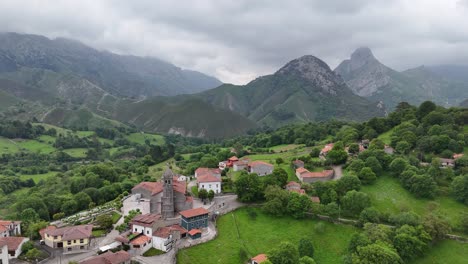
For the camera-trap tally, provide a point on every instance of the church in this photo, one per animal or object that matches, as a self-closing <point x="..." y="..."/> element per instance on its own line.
<point x="165" y="197"/>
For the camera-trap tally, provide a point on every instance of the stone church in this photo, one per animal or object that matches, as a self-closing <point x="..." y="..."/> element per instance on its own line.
<point x="165" y="197"/>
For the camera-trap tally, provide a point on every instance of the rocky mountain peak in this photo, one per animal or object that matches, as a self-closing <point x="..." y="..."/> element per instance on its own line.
<point x="314" y="70"/>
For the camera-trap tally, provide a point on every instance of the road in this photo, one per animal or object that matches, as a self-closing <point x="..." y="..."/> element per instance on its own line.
<point x="338" y="172"/>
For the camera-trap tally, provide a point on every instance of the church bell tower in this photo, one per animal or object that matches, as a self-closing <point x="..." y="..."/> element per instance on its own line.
<point x="168" y="195"/>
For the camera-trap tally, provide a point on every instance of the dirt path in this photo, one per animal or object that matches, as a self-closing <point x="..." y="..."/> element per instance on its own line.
<point x="338" y="172"/>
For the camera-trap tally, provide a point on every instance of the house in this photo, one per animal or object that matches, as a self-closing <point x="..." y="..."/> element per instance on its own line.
<point x="140" y="243"/>
<point x="326" y="149"/>
<point x="165" y="237"/>
<point x="194" y="218"/>
<point x="261" y="168"/>
<point x="222" y="165"/>
<point x="10" y="247"/>
<point x="182" y="178"/>
<point x="209" y="182"/>
<point x="145" y="224"/>
<point x="309" y="177"/>
<point x="231" y="160"/>
<point x="365" y="143"/>
<point x="10" y="228"/>
<point x="444" y="163"/>
<point x="195" y="233"/>
<point x="148" y="196"/>
<point x="457" y="156"/>
<point x="315" y="199"/>
<point x="294" y="187"/>
<point x="70" y="238"/>
<point x="119" y="257"/>
<point x="260" y="258"/>
<point x="240" y="165"/>
<point x="203" y="171"/>
<point x="298" y="164"/>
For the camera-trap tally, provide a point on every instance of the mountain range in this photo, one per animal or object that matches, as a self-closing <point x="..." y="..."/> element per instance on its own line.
<point x="369" y="78"/>
<point x="67" y="83"/>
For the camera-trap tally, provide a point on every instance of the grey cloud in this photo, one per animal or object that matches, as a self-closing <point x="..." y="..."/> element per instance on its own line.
<point x="239" y="40"/>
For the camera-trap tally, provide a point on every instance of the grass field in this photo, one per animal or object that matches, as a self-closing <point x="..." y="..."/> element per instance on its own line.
<point x="140" y="138"/>
<point x="76" y="152"/>
<point x="263" y="233"/>
<point x="37" y="177"/>
<point x="447" y="251"/>
<point x="36" y="146"/>
<point x="8" y="146"/>
<point x="386" y="137"/>
<point x="286" y="147"/>
<point x="389" y="196"/>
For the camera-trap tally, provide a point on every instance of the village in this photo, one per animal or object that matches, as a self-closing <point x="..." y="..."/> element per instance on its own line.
<point x="166" y="215"/>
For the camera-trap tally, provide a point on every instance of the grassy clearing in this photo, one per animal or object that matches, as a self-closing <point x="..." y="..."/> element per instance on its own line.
<point x="140" y="138"/>
<point x="8" y="146"/>
<point x="263" y="233"/>
<point x="36" y="146"/>
<point x="286" y="147"/>
<point x="447" y="251"/>
<point x="115" y="217"/>
<point x="386" y="137"/>
<point x="389" y="196"/>
<point x="99" y="232"/>
<point x="37" y="177"/>
<point x="76" y="152"/>
<point x="153" y="252"/>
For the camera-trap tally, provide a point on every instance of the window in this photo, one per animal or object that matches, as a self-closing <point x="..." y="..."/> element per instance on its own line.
<point x="69" y="249"/>
<point x="74" y="241"/>
<point x="135" y="229"/>
<point x="55" y="237"/>
<point x="81" y="247"/>
<point x="147" y="232"/>
<point x="210" y="186"/>
<point x="203" y="186"/>
<point x="81" y="241"/>
<point x="69" y="242"/>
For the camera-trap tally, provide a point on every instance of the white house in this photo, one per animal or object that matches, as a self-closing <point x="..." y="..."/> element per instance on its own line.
<point x="165" y="237"/>
<point x="3" y="253"/>
<point x="144" y="223"/>
<point x="182" y="178"/>
<point x="10" y="228"/>
<point x="10" y="247"/>
<point x="209" y="182"/>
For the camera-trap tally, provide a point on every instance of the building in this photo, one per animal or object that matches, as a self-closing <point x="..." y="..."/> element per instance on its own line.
<point x="10" y="228"/>
<point x="260" y="258"/>
<point x="293" y="186"/>
<point x="389" y="150"/>
<point x="70" y="238"/>
<point x="203" y="171"/>
<point x="457" y="156"/>
<point x="222" y="165"/>
<point x="152" y="197"/>
<point x="145" y="224"/>
<point x="182" y="178"/>
<point x="119" y="257"/>
<point x="231" y="160"/>
<point x="165" y="237"/>
<point x="194" y="218"/>
<point x="326" y="149"/>
<point x="140" y="243"/>
<point x="309" y="177"/>
<point x="10" y="247"/>
<point x="444" y="163"/>
<point x="195" y="233"/>
<point x="209" y="182"/>
<point x="315" y="199"/>
<point x="261" y="168"/>
<point x="298" y="164"/>
<point x="240" y="165"/>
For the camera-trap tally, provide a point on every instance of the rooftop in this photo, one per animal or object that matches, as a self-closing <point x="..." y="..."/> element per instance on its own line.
<point x="321" y="174"/>
<point x="260" y="258"/>
<point x="301" y="170"/>
<point x="207" y="178"/>
<point x="194" y="232"/>
<point x="140" y="240"/>
<point x="109" y="258"/>
<point x="70" y="232"/>
<point x="194" y="212"/>
<point x="157" y="187"/>
<point x="258" y="163"/>
<point x="12" y="243"/>
<point x="164" y="232"/>
<point x="145" y="220"/>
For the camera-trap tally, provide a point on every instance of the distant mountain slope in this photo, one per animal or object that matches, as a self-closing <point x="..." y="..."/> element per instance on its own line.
<point x="453" y="72"/>
<point x="119" y="75"/>
<point x="464" y="103"/>
<point x="367" y="77"/>
<point x="303" y="90"/>
<point x="185" y="115"/>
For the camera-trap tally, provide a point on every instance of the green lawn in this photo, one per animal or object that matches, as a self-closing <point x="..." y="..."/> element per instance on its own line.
<point x="141" y="137"/>
<point x="76" y="152"/>
<point x="36" y="146"/>
<point x="389" y="196"/>
<point x="37" y="177"/>
<point x="262" y="234"/>
<point x="285" y="147"/>
<point x="115" y="217"/>
<point x="99" y="232"/>
<point x="386" y="137"/>
<point x="8" y="146"/>
<point x="153" y="252"/>
<point x="447" y="251"/>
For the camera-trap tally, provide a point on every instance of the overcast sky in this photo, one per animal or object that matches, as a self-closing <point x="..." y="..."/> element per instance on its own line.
<point x="239" y="40"/>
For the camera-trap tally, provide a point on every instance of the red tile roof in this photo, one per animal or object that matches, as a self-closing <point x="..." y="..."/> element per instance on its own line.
<point x="321" y="174"/>
<point x="327" y="148"/>
<point x="293" y="184"/>
<point x="71" y="232"/>
<point x="12" y="243"/>
<point x="260" y="258"/>
<point x="301" y="170"/>
<point x="315" y="199"/>
<point x="43" y="230"/>
<point x="145" y="220"/>
<point x="194" y="232"/>
<point x="233" y="158"/>
<point x="207" y="170"/>
<point x="140" y="240"/>
<point x="258" y="163"/>
<point x="456" y="156"/>
<point x="157" y="187"/>
<point x="300" y="162"/>
<point x="194" y="212"/>
<point x="109" y="258"/>
<point x="207" y="178"/>
<point x="164" y="232"/>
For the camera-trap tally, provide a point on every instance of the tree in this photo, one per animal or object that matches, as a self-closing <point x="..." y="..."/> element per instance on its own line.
<point x="306" y="260"/>
<point x="33" y="254"/>
<point x="398" y="165"/>
<point x="423" y="186"/>
<point x="459" y="188"/>
<point x="348" y="183"/>
<point x="353" y="148"/>
<point x="403" y="147"/>
<point x="337" y="156"/>
<point x="406" y="218"/>
<point x="370" y="214"/>
<point x="211" y="195"/>
<point x="306" y="248"/>
<point x="298" y="205"/>
<point x="276" y="200"/>
<point x="373" y="163"/>
<point x="464" y="222"/>
<point x="376" y="253"/>
<point x="332" y="209"/>
<point x="285" y="253"/>
<point x="279" y="160"/>
<point x="436" y="226"/>
<point x="367" y="176"/>
<point x="69" y="207"/>
<point x="354" y="202"/>
<point x="410" y="242"/>
<point x="315" y="152"/>
<point x="248" y="187"/>
<point x="425" y="108"/>
<point x="356" y="165"/>
<point x="104" y="221"/>
<point x="202" y="194"/>
<point x="82" y="200"/>
<point x="280" y="176"/>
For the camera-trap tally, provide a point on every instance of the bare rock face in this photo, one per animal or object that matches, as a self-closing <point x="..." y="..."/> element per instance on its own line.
<point x="314" y="70"/>
<point x="363" y="73"/>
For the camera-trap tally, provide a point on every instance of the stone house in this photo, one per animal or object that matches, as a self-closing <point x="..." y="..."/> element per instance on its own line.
<point x="309" y="177"/>
<point x="298" y="164"/>
<point x="240" y="165"/>
<point x="261" y="168"/>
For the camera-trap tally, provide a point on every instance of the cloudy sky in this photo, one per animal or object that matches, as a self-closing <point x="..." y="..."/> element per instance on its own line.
<point x="238" y="40"/>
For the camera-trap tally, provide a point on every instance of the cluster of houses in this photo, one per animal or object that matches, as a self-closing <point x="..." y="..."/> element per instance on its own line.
<point x="10" y="240"/>
<point x="306" y="176"/>
<point x="259" y="167"/>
